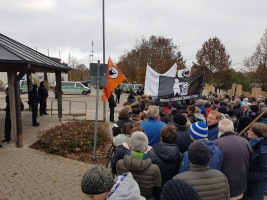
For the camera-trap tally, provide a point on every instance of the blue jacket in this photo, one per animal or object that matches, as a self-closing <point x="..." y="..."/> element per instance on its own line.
<point x="257" y="177"/>
<point x="118" y="155"/>
<point x="213" y="132"/>
<point x="216" y="157"/>
<point x="203" y="110"/>
<point x="153" y="129"/>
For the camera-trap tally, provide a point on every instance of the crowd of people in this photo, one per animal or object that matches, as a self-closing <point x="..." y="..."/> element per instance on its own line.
<point x="185" y="150"/>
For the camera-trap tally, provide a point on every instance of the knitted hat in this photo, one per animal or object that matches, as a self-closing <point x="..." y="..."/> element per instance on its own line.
<point x="222" y="109"/>
<point x="199" y="153"/>
<point x="199" y="130"/>
<point x="96" y="180"/>
<point x="179" y="120"/>
<point x="178" y="189"/>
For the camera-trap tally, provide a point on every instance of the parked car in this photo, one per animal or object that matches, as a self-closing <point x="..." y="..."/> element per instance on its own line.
<point x="72" y="87"/>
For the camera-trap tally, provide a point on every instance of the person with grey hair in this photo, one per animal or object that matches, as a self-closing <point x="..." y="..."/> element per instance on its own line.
<point x="152" y="126"/>
<point x="237" y="158"/>
<point x="199" y="104"/>
<point x="238" y="112"/>
<point x="146" y="174"/>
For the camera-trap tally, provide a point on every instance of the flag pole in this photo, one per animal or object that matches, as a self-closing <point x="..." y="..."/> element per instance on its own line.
<point x="104" y="102"/>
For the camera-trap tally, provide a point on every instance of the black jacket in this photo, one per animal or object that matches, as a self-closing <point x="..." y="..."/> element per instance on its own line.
<point x="116" y="130"/>
<point x="42" y="92"/>
<point x="33" y="97"/>
<point x="167" y="157"/>
<point x="111" y="102"/>
<point x="237" y="157"/>
<point x="183" y="138"/>
<point x="238" y="112"/>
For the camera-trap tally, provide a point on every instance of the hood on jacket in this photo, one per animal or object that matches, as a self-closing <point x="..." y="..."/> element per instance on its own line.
<point x="127" y="190"/>
<point x="167" y="152"/>
<point x="210" y="144"/>
<point x="136" y="164"/>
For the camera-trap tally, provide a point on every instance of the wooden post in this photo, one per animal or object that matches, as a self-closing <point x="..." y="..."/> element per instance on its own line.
<point x="59" y="94"/>
<point x="11" y="75"/>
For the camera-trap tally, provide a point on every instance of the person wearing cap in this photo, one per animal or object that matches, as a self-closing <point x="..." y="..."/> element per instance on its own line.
<point x="257" y="177"/>
<point x="209" y="183"/>
<point x="98" y="184"/>
<point x="152" y="126"/>
<point x="43" y="94"/>
<point x="177" y="189"/>
<point x="199" y="132"/>
<point x="33" y="101"/>
<point x="237" y="157"/>
<point x="183" y="137"/>
<point x="166" y="154"/>
<point x="146" y="174"/>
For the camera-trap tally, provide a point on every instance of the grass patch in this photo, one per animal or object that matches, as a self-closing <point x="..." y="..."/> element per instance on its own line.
<point x="75" y="140"/>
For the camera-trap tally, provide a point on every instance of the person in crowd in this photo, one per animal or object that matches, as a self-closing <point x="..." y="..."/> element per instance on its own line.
<point x="243" y="122"/>
<point x="143" y="102"/>
<point x="191" y="109"/>
<point x="153" y="127"/>
<point x="183" y="137"/>
<point x="33" y="101"/>
<point x="263" y="119"/>
<point x="136" y="116"/>
<point x="43" y="94"/>
<point x="166" y="108"/>
<point x="250" y="113"/>
<point x="98" y="184"/>
<point x="209" y="183"/>
<point x="118" y="94"/>
<point x="223" y="111"/>
<point x="133" y="102"/>
<point x="237" y="157"/>
<point x="238" y="112"/>
<point x="140" y="91"/>
<point x="199" y="132"/>
<point x="199" y="104"/>
<point x="199" y="116"/>
<point x="124" y="136"/>
<point x="124" y="117"/>
<point x="146" y="174"/>
<point x="166" y="154"/>
<point x="212" y="121"/>
<point x="112" y="104"/>
<point x="216" y="104"/>
<point x="170" y="116"/>
<point x="176" y="189"/>
<point x="207" y="106"/>
<point x="257" y="177"/>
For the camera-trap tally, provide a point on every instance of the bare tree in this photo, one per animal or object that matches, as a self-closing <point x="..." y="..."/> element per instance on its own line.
<point x="257" y="62"/>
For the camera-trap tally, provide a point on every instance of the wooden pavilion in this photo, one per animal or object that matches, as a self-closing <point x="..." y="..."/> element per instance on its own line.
<point x="18" y="60"/>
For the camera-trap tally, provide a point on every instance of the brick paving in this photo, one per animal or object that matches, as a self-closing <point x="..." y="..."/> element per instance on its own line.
<point x="30" y="174"/>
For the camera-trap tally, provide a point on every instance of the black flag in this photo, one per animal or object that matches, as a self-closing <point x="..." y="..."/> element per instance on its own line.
<point x="178" y="89"/>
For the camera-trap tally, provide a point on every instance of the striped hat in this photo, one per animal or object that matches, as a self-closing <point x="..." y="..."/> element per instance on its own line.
<point x="199" y="130"/>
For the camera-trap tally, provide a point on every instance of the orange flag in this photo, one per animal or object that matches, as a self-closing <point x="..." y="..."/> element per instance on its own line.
<point x="114" y="78"/>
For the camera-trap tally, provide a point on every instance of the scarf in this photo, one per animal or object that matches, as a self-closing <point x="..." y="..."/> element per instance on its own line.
<point x="138" y="155"/>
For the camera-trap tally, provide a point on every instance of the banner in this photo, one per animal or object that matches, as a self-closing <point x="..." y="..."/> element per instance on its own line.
<point x="152" y="78"/>
<point x="178" y="89"/>
<point x="114" y="78"/>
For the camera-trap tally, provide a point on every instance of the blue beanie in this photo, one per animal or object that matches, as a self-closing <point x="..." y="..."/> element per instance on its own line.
<point x="199" y="130"/>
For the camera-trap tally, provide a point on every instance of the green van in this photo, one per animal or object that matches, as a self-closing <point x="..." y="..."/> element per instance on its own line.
<point x="72" y="87"/>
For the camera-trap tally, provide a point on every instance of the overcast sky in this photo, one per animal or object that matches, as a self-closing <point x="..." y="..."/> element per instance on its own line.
<point x="69" y="26"/>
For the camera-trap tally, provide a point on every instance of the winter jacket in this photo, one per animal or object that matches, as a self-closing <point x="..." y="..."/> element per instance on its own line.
<point x="166" y="110"/>
<point x="208" y="109"/>
<point x="42" y="92"/>
<point x="119" y="154"/>
<point x="137" y="120"/>
<point x="146" y="174"/>
<point x="116" y="130"/>
<point x="153" y="129"/>
<point x="213" y="132"/>
<point x="237" y="155"/>
<point x="167" y="157"/>
<point x="203" y="110"/>
<point x="210" y="184"/>
<point x="257" y="177"/>
<point x="215" y="162"/>
<point x="127" y="189"/>
<point x="183" y="138"/>
<point x="111" y="102"/>
<point x="238" y="112"/>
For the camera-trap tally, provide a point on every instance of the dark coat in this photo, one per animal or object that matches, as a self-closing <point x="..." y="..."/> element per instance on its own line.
<point x="183" y="138"/>
<point x="213" y="132"/>
<point x="237" y="157"/>
<point x="33" y="97"/>
<point x="238" y="112"/>
<point x="116" y="130"/>
<point x="210" y="184"/>
<point x="167" y="157"/>
<point x="203" y="110"/>
<point x="257" y="177"/>
<point x="42" y="92"/>
<point x="146" y="174"/>
<point x="118" y="155"/>
<point x="111" y="102"/>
